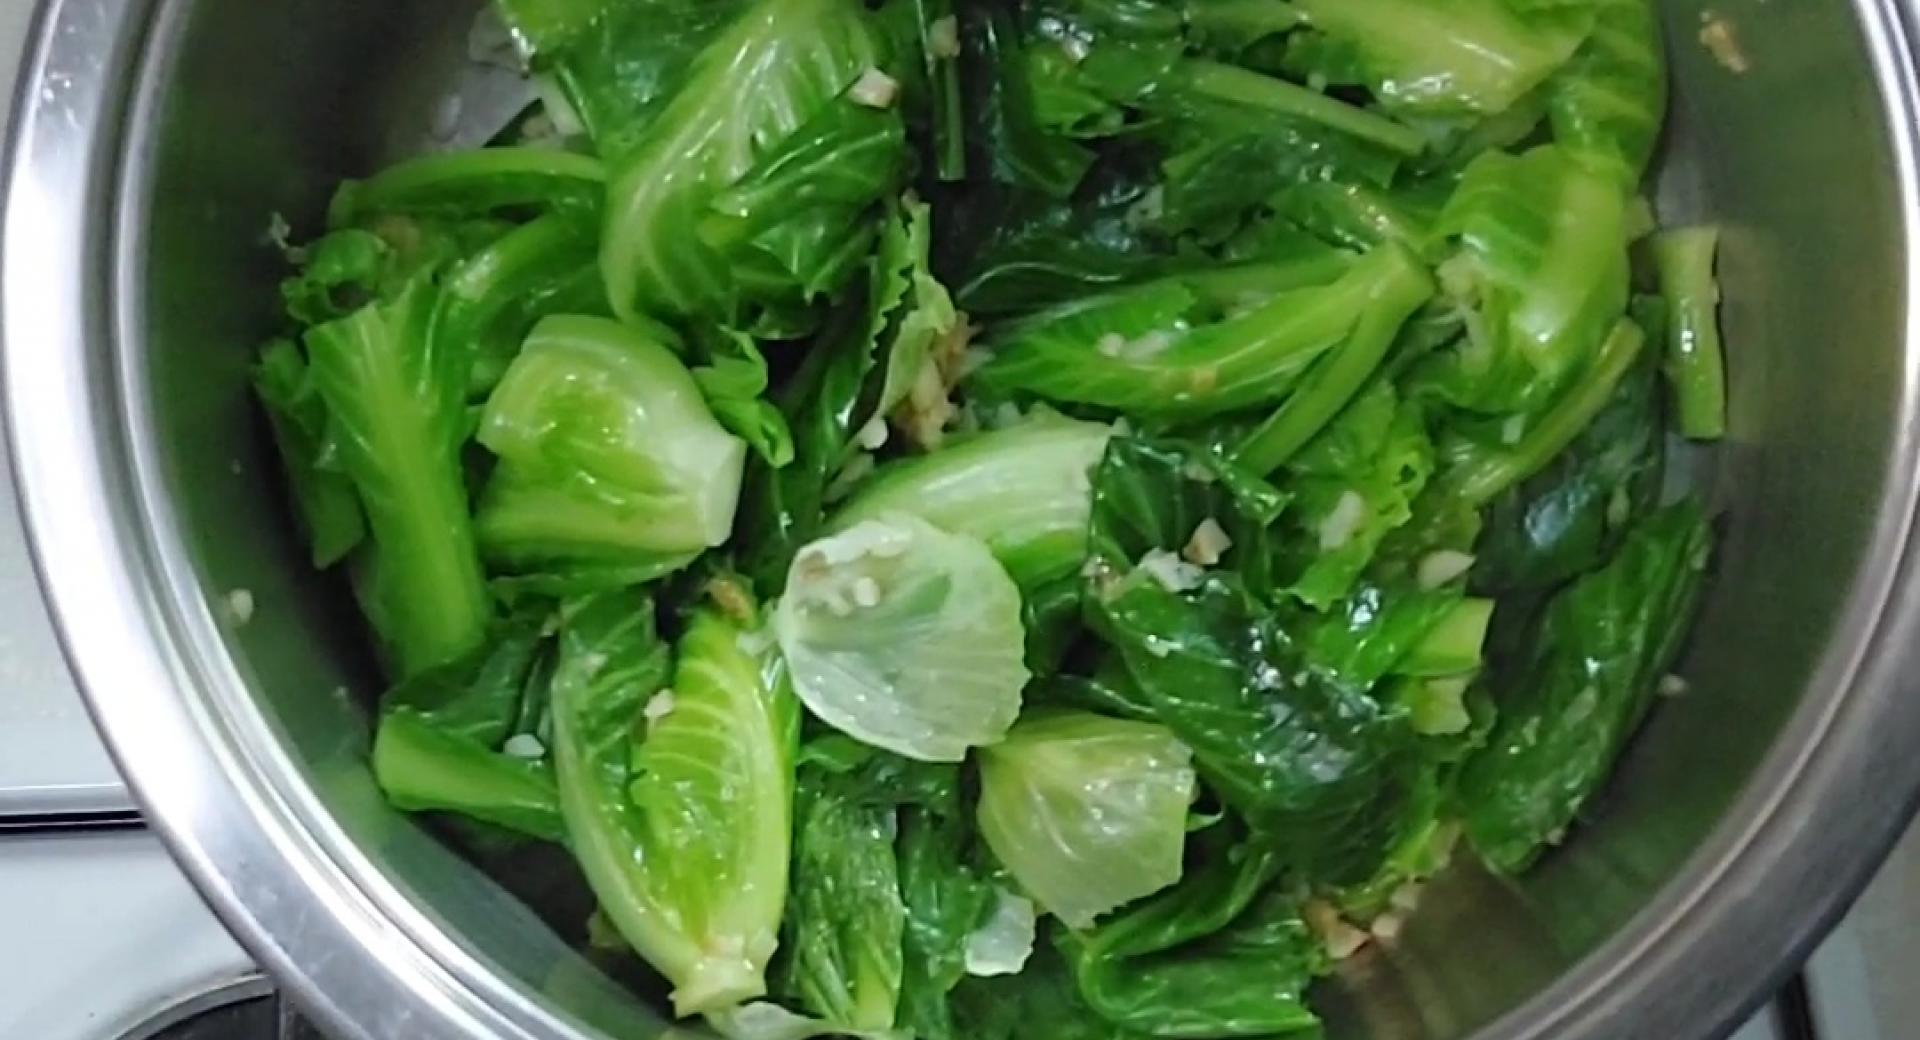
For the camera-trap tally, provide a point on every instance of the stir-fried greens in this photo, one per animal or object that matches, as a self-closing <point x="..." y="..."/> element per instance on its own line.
<point x="977" y="519"/>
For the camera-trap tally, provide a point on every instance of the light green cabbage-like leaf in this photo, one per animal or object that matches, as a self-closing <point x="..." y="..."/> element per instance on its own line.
<point x="1025" y="490"/>
<point x="678" y="800"/>
<point x="1088" y="813"/>
<point x="1143" y="351"/>
<point x="1449" y="57"/>
<point x="751" y="87"/>
<point x="905" y="637"/>
<point x="608" y="451"/>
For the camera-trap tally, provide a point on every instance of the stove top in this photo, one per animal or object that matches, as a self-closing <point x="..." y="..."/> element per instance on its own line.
<point x="51" y="765"/>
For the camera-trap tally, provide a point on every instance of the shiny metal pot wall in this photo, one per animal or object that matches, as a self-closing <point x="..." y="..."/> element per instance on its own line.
<point x="157" y="136"/>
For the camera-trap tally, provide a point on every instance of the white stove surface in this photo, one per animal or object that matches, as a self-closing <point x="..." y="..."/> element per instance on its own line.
<point x="50" y="762"/>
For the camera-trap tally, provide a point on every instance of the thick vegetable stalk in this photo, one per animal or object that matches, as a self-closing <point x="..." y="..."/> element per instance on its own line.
<point x="678" y="800"/>
<point x="1216" y="81"/>
<point x="473" y="183"/>
<point x="423" y="768"/>
<point x="1139" y="352"/>
<point x="1327" y="388"/>
<point x="608" y="453"/>
<point x="760" y="80"/>
<point x="397" y="407"/>
<point x="1684" y="258"/>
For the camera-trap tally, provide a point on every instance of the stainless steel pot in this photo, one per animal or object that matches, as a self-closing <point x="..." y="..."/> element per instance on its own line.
<point x="156" y="137"/>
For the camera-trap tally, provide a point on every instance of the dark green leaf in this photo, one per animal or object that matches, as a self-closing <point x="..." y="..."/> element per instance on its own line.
<point x="1601" y="649"/>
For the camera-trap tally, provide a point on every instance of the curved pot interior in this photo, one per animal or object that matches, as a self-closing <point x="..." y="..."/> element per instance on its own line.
<point x="261" y="107"/>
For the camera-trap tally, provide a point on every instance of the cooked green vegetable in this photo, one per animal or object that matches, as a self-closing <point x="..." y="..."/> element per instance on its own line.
<point x="1601" y="651"/>
<point x="1192" y="460"/>
<point x="1684" y="258"/>
<point x="1449" y="58"/>
<point x="422" y="767"/>
<point x="1087" y="813"/>
<point x="1222" y="955"/>
<point x="473" y="183"/>
<point x="1541" y="263"/>
<point x="846" y="919"/>
<point x="1026" y="490"/>
<point x="396" y="421"/>
<point x="607" y="452"/>
<point x="328" y="504"/>
<point x="1151" y="351"/>
<point x="778" y="65"/>
<point x="905" y="637"/>
<point x="678" y="799"/>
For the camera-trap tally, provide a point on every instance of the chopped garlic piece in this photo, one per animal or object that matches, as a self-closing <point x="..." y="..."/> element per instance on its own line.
<point x="240" y="604"/>
<point x="875" y="89"/>
<point x="1173" y="573"/>
<point x="1343" y="521"/>
<point x="866" y="591"/>
<point x="943" y="37"/>
<point x="1672" y="686"/>
<point x="1386" y="927"/>
<point x="525" y="745"/>
<point x="1210" y="541"/>
<point x="1717" y="36"/>
<point x="872" y="436"/>
<point x="1340" y="937"/>
<point x="659" y="706"/>
<point x="1442" y="566"/>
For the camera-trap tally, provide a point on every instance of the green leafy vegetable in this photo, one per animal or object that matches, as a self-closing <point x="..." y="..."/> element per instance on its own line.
<point x="1214" y="957"/>
<point x="1684" y="258"/>
<point x="329" y="507"/>
<point x="1542" y="264"/>
<point x="1600" y="651"/>
<point x="1025" y="490"/>
<point x="1143" y="351"/>
<point x="395" y="405"/>
<point x="678" y="800"/>
<point x="473" y="183"/>
<point x="1606" y="104"/>
<point x="1199" y="459"/>
<point x="1446" y="58"/>
<point x="905" y="636"/>
<point x="608" y="452"/>
<point x="1476" y="471"/>
<point x="1087" y="813"/>
<point x="422" y="767"/>
<point x="776" y="66"/>
<point x="846" y="919"/>
<point x="1569" y="517"/>
<point x="492" y="299"/>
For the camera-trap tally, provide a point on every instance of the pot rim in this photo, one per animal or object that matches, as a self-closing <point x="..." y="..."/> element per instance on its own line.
<point x="268" y="856"/>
